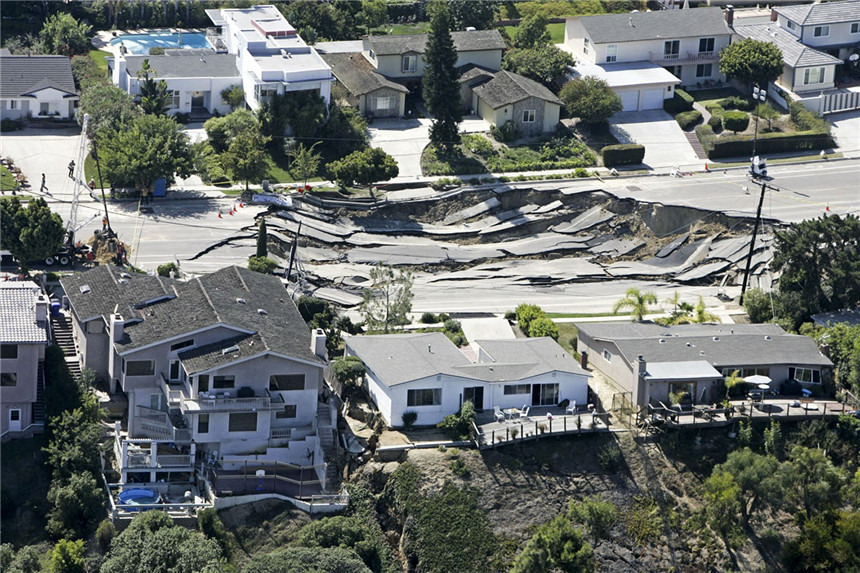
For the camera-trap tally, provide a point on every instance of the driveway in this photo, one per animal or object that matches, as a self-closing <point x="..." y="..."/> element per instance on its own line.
<point x="664" y="140"/>
<point x="846" y="130"/>
<point x="405" y="140"/>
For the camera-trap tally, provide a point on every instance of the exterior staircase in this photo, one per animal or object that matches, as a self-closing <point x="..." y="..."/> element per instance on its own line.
<point x="61" y="326"/>
<point x="334" y="467"/>
<point x="39" y="404"/>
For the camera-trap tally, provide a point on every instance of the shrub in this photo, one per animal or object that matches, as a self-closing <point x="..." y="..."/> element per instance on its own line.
<point x="459" y="468"/>
<point x="105" y="534"/>
<point x="715" y="122"/>
<point x="714" y="108"/>
<point x="643" y="521"/>
<point x="688" y="119"/>
<point x="805" y="120"/>
<point x="626" y="154"/>
<point x="409" y="418"/>
<point x="609" y="457"/>
<point x="741" y="145"/>
<point x="428" y="318"/>
<point x="8" y="124"/>
<point x="680" y="102"/>
<point x="156" y="51"/>
<point x="262" y="265"/>
<point x="508" y="132"/>
<point x="597" y="515"/>
<point x="452" y="325"/>
<point x="165" y="269"/>
<point x="182" y="117"/>
<point x="580" y="172"/>
<point x="479" y="145"/>
<point x="736" y="121"/>
<point x="736" y="102"/>
<point x="510" y="315"/>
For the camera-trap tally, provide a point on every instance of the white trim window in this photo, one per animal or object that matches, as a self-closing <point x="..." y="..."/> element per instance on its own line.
<point x="13" y="104"/>
<point x="607" y="355"/>
<point x="813" y="76"/>
<point x="821" y="31"/>
<point x="790" y="25"/>
<point x="424" y="397"/>
<point x="382" y="103"/>
<point x="528" y="116"/>
<point x="173" y="96"/>
<point x="704" y="70"/>
<point x="706" y="45"/>
<point x="409" y="63"/>
<point x="805" y="375"/>
<point x="854" y="28"/>
<point x="611" y="53"/>
<point x="585" y="44"/>
<point x="514" y="389"/>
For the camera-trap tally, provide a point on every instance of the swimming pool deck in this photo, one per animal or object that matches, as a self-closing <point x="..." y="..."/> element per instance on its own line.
<point x="102" y="40"/>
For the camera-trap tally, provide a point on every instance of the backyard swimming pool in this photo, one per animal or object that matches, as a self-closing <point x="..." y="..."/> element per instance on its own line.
<point x="139" y="44"/>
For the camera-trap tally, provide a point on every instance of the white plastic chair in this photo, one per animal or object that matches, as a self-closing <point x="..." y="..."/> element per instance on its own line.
<point x="524" y="412"/>
<point x="497" y="412"/>
<point x="571" y="408"/>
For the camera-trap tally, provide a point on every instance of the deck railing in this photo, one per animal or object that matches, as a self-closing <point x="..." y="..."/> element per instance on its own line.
<point x="681" y="57"/>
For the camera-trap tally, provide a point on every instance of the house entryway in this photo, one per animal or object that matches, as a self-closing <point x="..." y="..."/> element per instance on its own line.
<point x="475" y="395"/>
<point x="14" y="420"/>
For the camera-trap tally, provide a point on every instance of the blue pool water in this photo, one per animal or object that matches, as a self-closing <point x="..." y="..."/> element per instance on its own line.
<point x="139" y="496"/>
<point x="139" y="44"/>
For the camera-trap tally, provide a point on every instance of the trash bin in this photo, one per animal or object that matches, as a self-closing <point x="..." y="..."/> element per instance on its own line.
<point x="55" y="308"/>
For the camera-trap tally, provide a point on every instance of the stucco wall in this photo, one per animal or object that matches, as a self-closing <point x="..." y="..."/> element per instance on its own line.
<point x="23" y="394"/>
<point x="398" y="100"/>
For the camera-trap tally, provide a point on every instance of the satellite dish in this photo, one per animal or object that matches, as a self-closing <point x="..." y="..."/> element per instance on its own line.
<point x="854" y="57"/>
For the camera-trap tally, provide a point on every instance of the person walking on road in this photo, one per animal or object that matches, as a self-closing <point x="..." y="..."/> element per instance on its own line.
<point x="72" y="169"/>
<point x="44" y="187"/>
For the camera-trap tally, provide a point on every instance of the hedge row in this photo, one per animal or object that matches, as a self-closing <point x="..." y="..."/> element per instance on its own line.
<point x="679" y="103"/>
<point x="736" y="120"/>
<point x="628" y="154"/>
<point x="741" y="145"/>
<point x="688" y="119"/>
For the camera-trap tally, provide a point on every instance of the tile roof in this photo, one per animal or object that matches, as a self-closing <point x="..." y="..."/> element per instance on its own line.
<point x="721" y="345"/>
<point x="507" y="88"/>
<point x="186" y="64"/>
<point x="357" y="74"/>
<point x="821" y="13"/>
<point x="18" y="313"/>
<point x="665" y="24"/>
<point x="463" y="42"/>
<point x="203" y="302"/>
<point x="794" y="54"/>
<point x="20" y="75"/>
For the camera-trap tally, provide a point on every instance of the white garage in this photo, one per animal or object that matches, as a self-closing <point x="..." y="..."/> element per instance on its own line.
<point x="630" y="100"/>
<point x="640" y="85"/>
<point x="652" y="99"/>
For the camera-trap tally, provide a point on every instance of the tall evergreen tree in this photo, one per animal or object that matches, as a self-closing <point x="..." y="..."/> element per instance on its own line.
<point x="440" y="84"/>
<point x="262" y="240"/>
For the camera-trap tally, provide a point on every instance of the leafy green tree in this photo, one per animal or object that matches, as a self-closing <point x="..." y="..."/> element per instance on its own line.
<point x="77" y="505"/>
<point x="28" y="559"/>
<point x="773" y="445"/>
<point x="353" y="533"/>
<point x="348" y="370"/>
<point x="374" y="13"/>
<point x="758" y="305"/>
<point x="212" y="527"/>
<point x="63" y="34"/>
<point x="478" y="14"/>
<point x="165" y="269"/>
<point x="306" y="560"/>
<point x="364" y="167"/>
<point x="30" y="233"/>
<point x="441" y="86"/>
<point x="387" y="303"/>
<point x="596" y="514"/>
<point x="109" y="108"/>
<point x="526" y="313"/>
<point x="87" y="74"/>
<point x="68" y="557"/>
<point x="637" y="301"/>
<point x="222" y="130"/>
<point x="702" y="314"/>
<point x="813" y="480"/>
<point x="752" y="61"/>
<point x="263" y="265"/>
<point x="825" y="544"/>
<point x="152" y="542"/>
<point x="545" y="64"/>
<point x="344" y="132"/>
<point x="556" y="545"/>
<point x="303" y="112"/>
<point x="75" y="444"/>
<point x="731" y="381"/>
<point x="756" y="478"/>
<point x="234" y="96"/>
<point x="247" y="157"/>
<point x="722" y="502"/>
<point x="590" y="99"/>
<point x="532" y="33"/>
<point x="154" y="98"/>
<point x="145" y="150"/>
<point x="304" y="163"/>
<point x="843" y="342"/>
<point x="543" y="326"/>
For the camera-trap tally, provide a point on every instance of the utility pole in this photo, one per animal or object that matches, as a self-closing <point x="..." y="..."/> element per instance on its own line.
<point x="764" y="187"/>
<point x="102" y="186"/>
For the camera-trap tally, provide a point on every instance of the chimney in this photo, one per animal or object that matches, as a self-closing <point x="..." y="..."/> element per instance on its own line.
<point x="318" y="339"/>
<point x="641" y="365"/>
<point x="41" y="309"/>
<point x="117" y="327"/>
<point x="773" y="15"/>
<point x="730" y="15"/>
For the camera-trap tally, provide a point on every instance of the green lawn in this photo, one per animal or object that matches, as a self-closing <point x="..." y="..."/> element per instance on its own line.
<point x="7" y="180"/>
<point x="100" y="58"/>
<point x="398" y="29"/>
<point x="556" y="31"/>
<point x="567" y="333"/>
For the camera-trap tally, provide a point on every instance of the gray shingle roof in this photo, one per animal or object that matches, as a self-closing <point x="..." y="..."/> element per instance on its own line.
<point x="186" y="64"/>
<point x="186" y="307"/>
<point x="18" y="313"/>
<point x="821" y="13"/>
<point x="794" y="54"/>
<point x="20" y="75"/>
<point x="222" y="352"/>
<point x="666" y="24"/>
<point x="357" y="74"/>
<point x="463" y="42"/>
<point x="735" y="345"/>
<point x="507" y="88"/>
<point x="540" y="354"/>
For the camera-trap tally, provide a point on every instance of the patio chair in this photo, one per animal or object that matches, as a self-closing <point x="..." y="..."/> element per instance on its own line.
<point x="499" y="415"/>
<point x="524" y="412"/>
<point x="571" y="408"/>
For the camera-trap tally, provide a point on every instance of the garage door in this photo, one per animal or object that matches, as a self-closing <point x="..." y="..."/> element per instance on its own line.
<point x="652" y="99"/>
<point x="630" y="100"/>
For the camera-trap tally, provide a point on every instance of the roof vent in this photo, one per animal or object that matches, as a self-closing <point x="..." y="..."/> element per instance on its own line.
<point x="240" y="300"/>
<point x="125" y="275"/>
<point x="768" y="337"/>
<point x="123" y="281"/>
<point x="262" y="311"/>
<point x="233" y="348"/>
<point x="689" y="345"/>
<point x="85" y="289"/>
<point x="701" y="352"/>
<point x="662" y="341"/>
<point x="716" y="339"/>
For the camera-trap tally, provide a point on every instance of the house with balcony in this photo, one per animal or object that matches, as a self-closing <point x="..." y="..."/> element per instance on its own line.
<point x="427" y="374"/>
<point x="36" y="86"/>
<point x="651" y="361"/>
<point x="254" y="47"/>
<point x="220" y="369"/>
<point x="644" y="55"/>
<point x="24" y="334"/>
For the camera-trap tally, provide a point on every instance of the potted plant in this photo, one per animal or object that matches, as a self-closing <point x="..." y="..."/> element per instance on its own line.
<point x="542" y="427"/>
<point x="514" y="433"/>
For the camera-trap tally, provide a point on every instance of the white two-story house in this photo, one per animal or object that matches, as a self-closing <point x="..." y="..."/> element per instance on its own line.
<point x="221" y="367"/>
<point x="644" y="55"/>
<point x="255" y="47"/>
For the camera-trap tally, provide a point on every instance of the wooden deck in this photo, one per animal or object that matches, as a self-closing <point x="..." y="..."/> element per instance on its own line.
<point x="489" y="433"/>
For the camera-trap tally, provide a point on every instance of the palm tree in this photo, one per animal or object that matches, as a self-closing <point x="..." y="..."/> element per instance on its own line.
<point x="680" y="313"/>
<point x="703" y="315"/>
<point x="731" y="381"/>
<point x="637" y="302"/>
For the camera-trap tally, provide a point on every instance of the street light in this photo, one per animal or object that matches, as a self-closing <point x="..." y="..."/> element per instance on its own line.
<point x="758" y="95"/>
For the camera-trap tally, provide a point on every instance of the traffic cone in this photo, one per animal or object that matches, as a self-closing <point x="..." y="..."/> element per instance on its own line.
<point x="241" y="205"/>
<point x="827" y="208"/>
<point x="219" y="214"/>
<point x="231" y="212"/>
<point x="706" y="166"/>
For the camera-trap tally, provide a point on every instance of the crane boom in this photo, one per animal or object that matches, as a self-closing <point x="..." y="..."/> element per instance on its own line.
<point x="79" y="174"/>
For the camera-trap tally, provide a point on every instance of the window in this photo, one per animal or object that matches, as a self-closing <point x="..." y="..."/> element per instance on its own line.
<point x="528" y="116"/>
<point x="203" y="383"/>
<point x="181" y="345"/>
<point x="284" y="382"/>
<point x="821" y="31"/>
<point x="221" y="382"/>
<point x="203" y="424"/>
<point x="517" y="389"/>
<point x="173" y="99"/>
<point x="424" y="397"/>
<point x="791" y="25"/>
<point x="611" y="52"/>
<point x="408" y="63"/>
<point x="545" y="395"/>
<point x="44" y="108"/>
<point x="8" y="379"/>
<point x="244" y="422"/>
<point x="706" y="45"/>
<point x="671" y="49"/>
<point x="14" y="415"/>
<point x="140" y="368"/>
<point x="806" y="375"/>
<point x="383" y="103"/>
<point x="763" y="371"/>
<point x="813" y="76"/>
<point x="607" y="355"/>
<point x="704" y="70"/>
<point x="585" y="43"/>
<point x="9" y="351"/>
<point x="265" y="91"/>
<point x="289" y="411"/>
<point x="175" y="370"/>
<point x="372" y="55"/>
<point x="855" y="27"/>
<point x="13" y="104"/>
<point x="685" y="391"/>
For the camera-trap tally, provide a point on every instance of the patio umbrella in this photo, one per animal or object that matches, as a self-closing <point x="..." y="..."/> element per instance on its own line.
<point x="762" y="382"/>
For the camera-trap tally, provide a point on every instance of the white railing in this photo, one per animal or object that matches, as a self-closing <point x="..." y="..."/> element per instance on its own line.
<point x="172" y="390"/>
<point x="281" y="433"/>
<point x="156" y="425"/>
<point x="658" y="57"/>
<point x="217" y="404"/>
